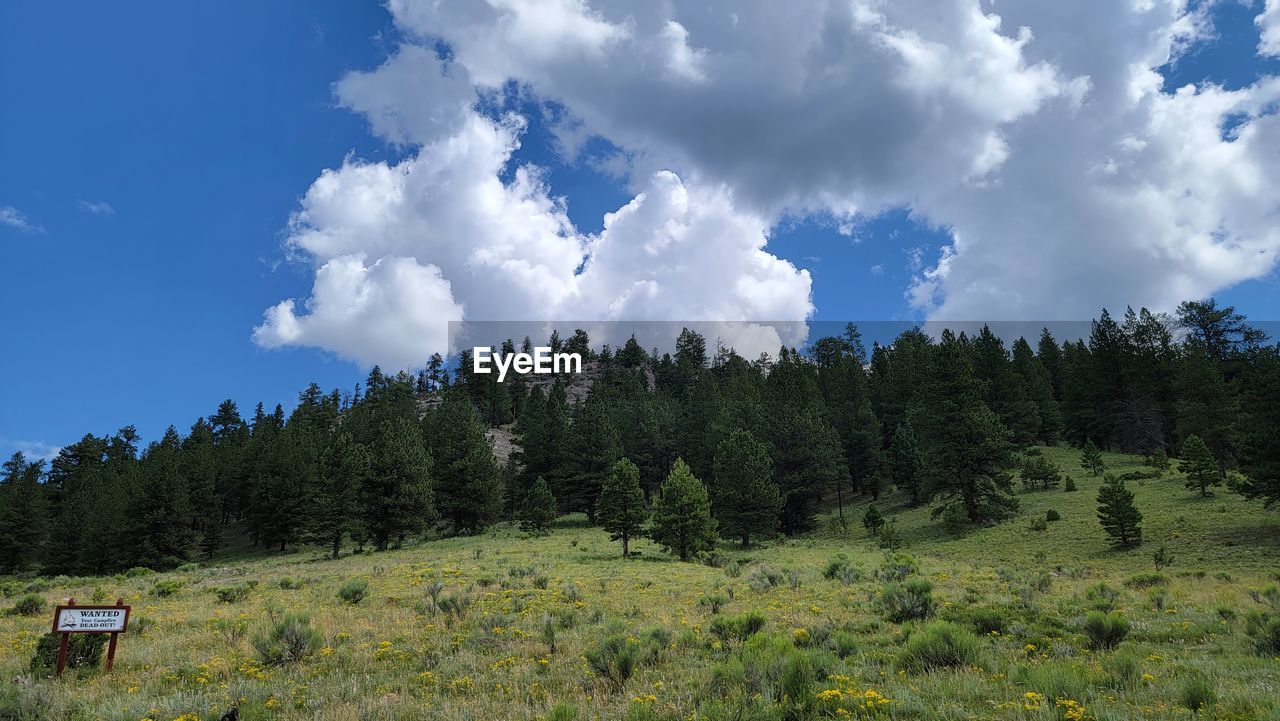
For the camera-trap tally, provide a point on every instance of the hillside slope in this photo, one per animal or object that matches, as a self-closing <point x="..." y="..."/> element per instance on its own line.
<point x="507" y="626"/>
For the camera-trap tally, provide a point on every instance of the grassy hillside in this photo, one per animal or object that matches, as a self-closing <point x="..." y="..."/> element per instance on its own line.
<point x="508" y="626"/>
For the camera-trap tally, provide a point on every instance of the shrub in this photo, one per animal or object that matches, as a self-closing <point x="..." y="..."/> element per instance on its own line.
<point x="571" y="592"/>
<point x="1146" y="580"/>
<point x="1101" y="597"/>
<point x="232" y="594"/>
<point x="83" y="650"/>
<point x="1196" y="693"/>
<point x="1038" y="523"/>
<point x="843" y="644"/>
<point x="714" y="602"/>
<point x="836" y="567"/>
<point x="290" y="640"/>
<point x="940" y="644"/>
<point x="872" y="520"/>
<point x="138" y="572"/>
<point x="353" y="591"/>
<point x="1051" y="515"/>
<point x="164" y="589"/>
<point x="288" y="583"/>
<point x="900" y="602"/>
<point x="954" y="518"/>
<point x="1105" y="630"/>
<point x="763" y="578"/>
<point x="615" y="658"/>
<point x="1069" y="485"/>
<point x="890" y="539"/>
<point x="1158" y="600"/>
<point x="1052" y="680"/>
<point x="1040" y="472"/>
<point x="455" y="604"/>
<point x="139" y="624"/>
<point x="897" y="567"/>
<point x="773" y="668"/>
<point x="29" y="605"/>
<point x="1123" y="670"/>
<point x="739" y="627"/>
<point x="563" y="711"/>
<point x="987" y="620"/>
<point x="1264" y="630"/>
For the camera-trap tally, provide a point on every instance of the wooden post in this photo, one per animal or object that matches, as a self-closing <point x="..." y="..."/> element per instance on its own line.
<point x="111" y="647"/>
<point x="62" y="645"/>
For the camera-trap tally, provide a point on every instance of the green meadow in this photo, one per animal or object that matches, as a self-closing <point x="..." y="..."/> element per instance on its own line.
<point x="1028" y="619"/>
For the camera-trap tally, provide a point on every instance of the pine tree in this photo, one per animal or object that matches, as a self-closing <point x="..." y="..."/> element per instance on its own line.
<point x="333" y="514"/>
<point x="872" y="520"/>
<point x="284" y="470"/>
<point x="74" y="476"/>
<point x="1035" y="376"/>
<point x="200" y="468"/>
<point x="704" y="421"/>
<point x="967" y="449"/>
<point x="744" y="498"/>
<point x="230" y="438"/>
<point x="538" y="510"/>
<point x="1006" y="391"/>
<point x="160" y="512"/>
<point x="1119" y="517"/>
<point x="1091" y="459"/>
<point x="531" y="434"/>
<point x="1040" y="472"/>
<point x="682" y="521"/>
<point x="23" y="515"/>
<point x="397" y="498"/>
<point x="593" y="449"/>
<point x="1259" y="426"/>
<point x="468" y="488"/>
<point x="1205" y="406"/>
<point x="1199" y="465"/>
<point x="557" y="438"/>
<point x="904" y="453"/>
<point x="1159" y="460"/>
<point x="622" y="510"/>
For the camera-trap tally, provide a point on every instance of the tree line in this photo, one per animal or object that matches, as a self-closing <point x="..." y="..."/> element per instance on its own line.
<point x="771" y="442"/>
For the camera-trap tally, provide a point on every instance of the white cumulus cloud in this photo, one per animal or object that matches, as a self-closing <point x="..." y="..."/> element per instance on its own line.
<point x="1039" y="135"/>
<point x="14" y="218"/>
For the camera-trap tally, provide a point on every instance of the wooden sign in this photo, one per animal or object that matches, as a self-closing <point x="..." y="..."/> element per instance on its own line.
<point x="70" y="618"/>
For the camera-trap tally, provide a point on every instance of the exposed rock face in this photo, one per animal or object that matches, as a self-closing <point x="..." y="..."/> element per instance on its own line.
<point x="503" y="442"/>
<point x="576" y="385"/>
<point x="576" y="388"/>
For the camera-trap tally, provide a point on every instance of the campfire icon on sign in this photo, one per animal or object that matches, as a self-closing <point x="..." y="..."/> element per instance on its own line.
<point x="68" y="623"/>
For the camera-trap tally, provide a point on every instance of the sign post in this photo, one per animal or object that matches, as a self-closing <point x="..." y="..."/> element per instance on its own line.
<point x="70" y="618"/>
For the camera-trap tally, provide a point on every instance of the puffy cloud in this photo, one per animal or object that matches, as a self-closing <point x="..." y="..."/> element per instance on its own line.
<point x="1041" y="136"/>
<point x="1268" y="22"/>
<point x="1137" y="196"/>
<point x="96" y="207"/>
<point x="820" y="105"/>
<point x="679" y="253"/>
<point x="412" y="98"/>
<point x="14" y="218"/>
<point x="401" y="249"/>
<point x="393" y="311"/>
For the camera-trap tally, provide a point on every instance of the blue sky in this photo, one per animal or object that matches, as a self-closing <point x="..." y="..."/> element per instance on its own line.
<point x="152" y="154"/>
